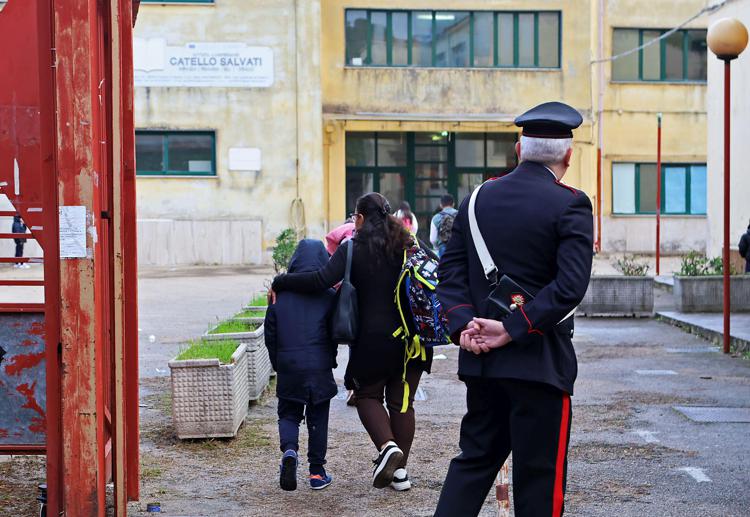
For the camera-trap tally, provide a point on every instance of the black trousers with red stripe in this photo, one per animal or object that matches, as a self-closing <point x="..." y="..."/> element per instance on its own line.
<point x="530" y="419"/>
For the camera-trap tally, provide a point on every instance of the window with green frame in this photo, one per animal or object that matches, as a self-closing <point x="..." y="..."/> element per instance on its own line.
<point x="681" y="56"/>
<point x="375" y="162"/>
<point x="455" y="39"/>
<point x="683" y="188"/>
<point x="175" y="153"/>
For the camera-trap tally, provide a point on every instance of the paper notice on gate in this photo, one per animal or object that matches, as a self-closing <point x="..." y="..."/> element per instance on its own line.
<point x="72" y="231"/>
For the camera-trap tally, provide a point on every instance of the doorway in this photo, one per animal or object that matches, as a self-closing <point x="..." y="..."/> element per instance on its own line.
<point x="420" y="167"/>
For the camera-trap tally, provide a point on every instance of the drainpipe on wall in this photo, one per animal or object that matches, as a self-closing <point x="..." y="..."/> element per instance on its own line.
<point x="600" y="57"/>
<point x="297" y="209"/>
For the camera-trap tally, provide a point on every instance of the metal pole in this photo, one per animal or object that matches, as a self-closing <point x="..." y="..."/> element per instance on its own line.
<point x="725" y="263"/>
<point x="600" y="129"/>
<point x="658" y="196"/>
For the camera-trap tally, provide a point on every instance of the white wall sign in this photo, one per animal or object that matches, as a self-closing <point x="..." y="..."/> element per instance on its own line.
<point x="201" y="64"/>
<point x="244" y="159"/>
<point x="72" y="220"/>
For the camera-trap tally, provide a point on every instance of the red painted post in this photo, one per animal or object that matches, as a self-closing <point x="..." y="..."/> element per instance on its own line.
<point x="81" y="170"/>
<point x="598" y="244"/>
<point x="129" y="250"/>
<point x="658" y="196"/>
<point x="725" y="262"/>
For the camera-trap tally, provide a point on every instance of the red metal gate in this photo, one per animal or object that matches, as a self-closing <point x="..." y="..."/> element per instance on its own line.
<point x="67" y="167"/>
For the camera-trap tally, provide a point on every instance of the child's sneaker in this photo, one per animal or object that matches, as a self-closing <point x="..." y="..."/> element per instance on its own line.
<point x="288" y="475"/>
<point x="320" y="481"/>
<point x="386" y="465"/>
<point x="400" y="480"/>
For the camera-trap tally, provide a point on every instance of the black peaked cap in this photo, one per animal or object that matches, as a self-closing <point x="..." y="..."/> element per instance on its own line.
<point x="549" y="120"/>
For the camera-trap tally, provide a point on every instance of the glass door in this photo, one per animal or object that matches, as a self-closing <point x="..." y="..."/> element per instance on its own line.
<point x="422" y="167"/>
<point x="431" y="172"/>
<point x="478" y="157"/>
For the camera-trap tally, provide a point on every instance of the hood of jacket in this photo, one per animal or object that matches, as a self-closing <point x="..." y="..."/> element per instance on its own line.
<point x="310" y="255"/>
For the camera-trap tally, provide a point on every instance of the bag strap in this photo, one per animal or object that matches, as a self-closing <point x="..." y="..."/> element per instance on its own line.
<point x="349" y="250"/>
<point x="488" y="265"/>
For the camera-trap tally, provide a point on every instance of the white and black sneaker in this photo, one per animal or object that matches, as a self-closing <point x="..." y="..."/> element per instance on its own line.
<point x="386" y="464"/>
<point x="400" y="480"/>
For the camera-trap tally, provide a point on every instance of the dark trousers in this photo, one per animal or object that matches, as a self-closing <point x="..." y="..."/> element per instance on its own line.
<point x="391" y="425"/>
<point x="530" y="419"/>
<point x="291" y="414"/>
<point x="19" y="249"/>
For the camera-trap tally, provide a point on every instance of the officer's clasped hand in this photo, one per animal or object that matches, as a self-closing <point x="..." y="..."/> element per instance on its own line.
<point x="482" y="335"/>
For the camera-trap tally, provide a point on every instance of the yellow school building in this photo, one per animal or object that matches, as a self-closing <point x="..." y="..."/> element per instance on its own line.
<point x="257" y="116"/>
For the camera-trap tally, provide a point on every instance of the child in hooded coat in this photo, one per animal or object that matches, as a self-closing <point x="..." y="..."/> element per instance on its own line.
<point x="303" y="354"/>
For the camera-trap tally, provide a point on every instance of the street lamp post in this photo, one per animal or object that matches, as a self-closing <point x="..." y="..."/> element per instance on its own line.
<point x="726" y="38"/>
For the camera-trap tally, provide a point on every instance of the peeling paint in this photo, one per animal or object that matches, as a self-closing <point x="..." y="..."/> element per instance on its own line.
<point x="21" y="362"/>
<point x="22" y="379"/>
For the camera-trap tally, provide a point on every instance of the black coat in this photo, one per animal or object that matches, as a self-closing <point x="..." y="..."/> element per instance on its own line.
<point x="540" y="233"/>
<point x="744" y="247"/>
<point x="18" y="227"/>
<point x="298" y="336"/>
<point x="376" y="355"/>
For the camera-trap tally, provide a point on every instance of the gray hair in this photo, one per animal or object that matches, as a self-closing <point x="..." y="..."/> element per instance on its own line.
<point x="549" y="151"/>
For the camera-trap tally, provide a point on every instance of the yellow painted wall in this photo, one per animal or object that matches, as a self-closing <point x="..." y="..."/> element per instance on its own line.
<point x="630" y="128"/>
<point x="448" y="99"/>
<point x="316" y="99"/>
<point x="283" y="120"/>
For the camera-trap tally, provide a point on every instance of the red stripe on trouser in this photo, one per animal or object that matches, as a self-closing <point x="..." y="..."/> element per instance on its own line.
<point x="562" y="446"/>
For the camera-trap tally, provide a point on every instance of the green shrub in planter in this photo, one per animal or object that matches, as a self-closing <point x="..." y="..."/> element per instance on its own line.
<point x="698" y="264"/>
<point x="234" y="326"/>
<point x="202" y="349"/>
<point x="286" y="243"/>
<point x="630" y="266"/>
<point x="250" y="313"/>
<point x="210" y="389"/>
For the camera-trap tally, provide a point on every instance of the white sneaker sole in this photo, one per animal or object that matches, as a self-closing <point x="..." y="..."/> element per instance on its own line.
<point x="401" y="486"/>
<point x="383" y="475"/>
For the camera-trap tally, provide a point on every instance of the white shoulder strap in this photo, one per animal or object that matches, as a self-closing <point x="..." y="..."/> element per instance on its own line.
<point x="488" y="265"/>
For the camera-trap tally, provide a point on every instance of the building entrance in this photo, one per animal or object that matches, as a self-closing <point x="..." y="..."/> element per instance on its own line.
<point x="420" y="167"/>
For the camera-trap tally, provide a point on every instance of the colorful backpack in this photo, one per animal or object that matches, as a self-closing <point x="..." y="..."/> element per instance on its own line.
<point x="422" y="316"/>
<point x="423" y="322"/>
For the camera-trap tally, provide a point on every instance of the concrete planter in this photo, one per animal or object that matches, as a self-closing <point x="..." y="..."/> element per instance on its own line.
<point x="615" y="295"/>
<point x="209" y="399"/>
<point x="258" y="321"/>
<point x="258" y="362"/>
<point x="706" y="293"/>
<point x="261" y="308"/>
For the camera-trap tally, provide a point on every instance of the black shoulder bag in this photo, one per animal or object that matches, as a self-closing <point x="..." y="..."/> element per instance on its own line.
<point x="346" y="316"/>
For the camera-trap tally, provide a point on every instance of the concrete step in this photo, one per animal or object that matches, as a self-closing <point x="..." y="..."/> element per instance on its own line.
<point x="708" y="327"/>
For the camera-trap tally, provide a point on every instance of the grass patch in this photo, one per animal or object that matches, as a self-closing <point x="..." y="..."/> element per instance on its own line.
<point x="221" y="350"/>
<point x="260" y="300"/>
<point x="231" y="326"/>
<point x="251" y="314"/>
<point x="150" y="468"/>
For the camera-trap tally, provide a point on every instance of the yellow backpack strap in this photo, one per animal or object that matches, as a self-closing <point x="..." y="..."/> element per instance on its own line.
<point x="413" y="348"/>
<point x="405" y="403"/>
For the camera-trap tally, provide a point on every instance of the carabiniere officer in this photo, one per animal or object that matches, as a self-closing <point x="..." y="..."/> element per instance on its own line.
<point x="519" y="372"/>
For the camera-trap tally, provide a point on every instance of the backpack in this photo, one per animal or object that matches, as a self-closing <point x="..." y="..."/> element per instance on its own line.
<point x="445" y="228"/>
<point x="423" y="322"/>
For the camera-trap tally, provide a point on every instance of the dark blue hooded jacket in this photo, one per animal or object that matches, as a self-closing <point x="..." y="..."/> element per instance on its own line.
<point x="298" y="336"/>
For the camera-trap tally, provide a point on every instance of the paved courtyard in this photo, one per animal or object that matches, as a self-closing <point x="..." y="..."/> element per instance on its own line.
<point x="632" y="452"/>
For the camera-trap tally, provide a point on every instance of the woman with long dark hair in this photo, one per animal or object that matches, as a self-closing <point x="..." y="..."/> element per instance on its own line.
<point x="376" y="364"/>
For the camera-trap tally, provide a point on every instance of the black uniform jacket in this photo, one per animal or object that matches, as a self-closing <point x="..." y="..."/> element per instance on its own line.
<point x="539" y="233"/>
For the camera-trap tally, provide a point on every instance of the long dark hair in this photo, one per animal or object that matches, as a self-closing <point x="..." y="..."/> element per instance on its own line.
<point x="385" y="237"/>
